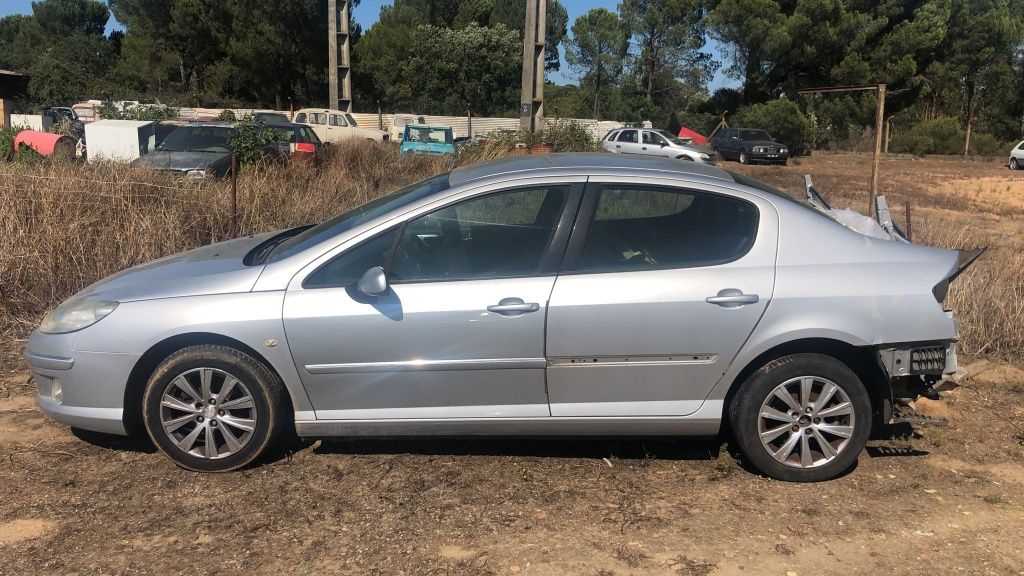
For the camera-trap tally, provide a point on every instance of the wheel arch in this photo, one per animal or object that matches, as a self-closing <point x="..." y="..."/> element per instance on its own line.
<point x="863" y="360"/>
<point x="151" y="358"/>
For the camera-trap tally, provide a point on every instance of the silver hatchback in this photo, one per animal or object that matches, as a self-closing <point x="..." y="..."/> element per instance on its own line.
<point x="651" y="142"/>
<point x="542" y="295"/>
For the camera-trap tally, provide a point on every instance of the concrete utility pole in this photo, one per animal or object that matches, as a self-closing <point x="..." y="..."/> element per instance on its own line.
<point x="338" y="58"/>
<point x="879" y="126"/>
<point x="531" y="101"/>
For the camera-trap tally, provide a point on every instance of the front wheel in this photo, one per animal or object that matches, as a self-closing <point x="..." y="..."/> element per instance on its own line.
<point x="743" y="157"/>
<point x="213" y="408"/>
<point x="802" y="418"/>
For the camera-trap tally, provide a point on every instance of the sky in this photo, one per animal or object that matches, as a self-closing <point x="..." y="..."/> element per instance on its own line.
<point x="368" y="11"/>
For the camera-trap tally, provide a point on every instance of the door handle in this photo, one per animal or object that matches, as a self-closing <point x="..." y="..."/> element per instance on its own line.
<point x="618" y="145"/>
<point x="732" y="298"/>
<point x="513" y="307"/>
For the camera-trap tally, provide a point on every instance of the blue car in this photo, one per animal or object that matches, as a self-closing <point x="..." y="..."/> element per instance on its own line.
<point x="422" y="139"/>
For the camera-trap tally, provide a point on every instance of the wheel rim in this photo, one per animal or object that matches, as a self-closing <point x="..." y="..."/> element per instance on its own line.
<point x="207" y="413"/>
<point x="806" y="422"/>
<point x="743" y="158"/>
<point x="1013" y="164"/>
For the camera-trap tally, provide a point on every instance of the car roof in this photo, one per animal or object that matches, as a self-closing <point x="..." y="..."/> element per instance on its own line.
<point x="587" y="162"/>
<point x="428" y="126"/>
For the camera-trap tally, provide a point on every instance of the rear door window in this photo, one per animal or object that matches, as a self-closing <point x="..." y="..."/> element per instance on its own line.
<point x="637" y="228"/>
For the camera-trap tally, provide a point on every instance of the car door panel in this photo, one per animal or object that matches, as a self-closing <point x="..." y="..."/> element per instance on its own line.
<point x="429" y="350"/>
<point x="648" y="342"/>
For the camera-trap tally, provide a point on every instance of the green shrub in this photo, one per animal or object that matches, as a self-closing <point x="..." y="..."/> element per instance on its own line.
<point x="252" y="140"/>
<point x="227" y="115"/>
<point x="7" y="136"/>
<point x="984" y="144"/>
<point x="568" y="136"/>
<point x="781" y="118"/>
<point x="942" y="135"/>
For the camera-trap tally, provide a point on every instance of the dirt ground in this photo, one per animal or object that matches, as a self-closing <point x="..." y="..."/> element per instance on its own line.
<point x="938" y="499"/>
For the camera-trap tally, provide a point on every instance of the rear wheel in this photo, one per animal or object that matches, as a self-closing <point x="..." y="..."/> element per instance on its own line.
<point x="1014" y="165"/>
<point x="802" y="418"/>
<point x="213" y="408"/>
<point x="743" y="157"/>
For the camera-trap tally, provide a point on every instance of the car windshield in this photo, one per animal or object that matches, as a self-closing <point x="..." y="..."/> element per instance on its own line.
<point x="428" y="135"/>
<point x="754" y="135"/>
<point x="198" y="139"/>
<point x="358" y="215"/>
<point x="673" y="139"/>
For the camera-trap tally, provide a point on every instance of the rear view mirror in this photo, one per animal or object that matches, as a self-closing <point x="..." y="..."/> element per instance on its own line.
<point x="374" y="282"/>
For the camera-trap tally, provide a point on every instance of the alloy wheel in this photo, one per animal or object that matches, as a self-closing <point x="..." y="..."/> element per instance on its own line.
<point x="806" y="422"/>
<point x="207" y="413"/>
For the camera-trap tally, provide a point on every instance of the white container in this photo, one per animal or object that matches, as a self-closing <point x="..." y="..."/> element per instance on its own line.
<point x="119" y="140"/>
<point x="35" y="122"/>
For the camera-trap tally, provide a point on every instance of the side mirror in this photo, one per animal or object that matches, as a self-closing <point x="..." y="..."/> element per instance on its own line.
<point x="374" y="282"/>
<point x="663" y="144"/>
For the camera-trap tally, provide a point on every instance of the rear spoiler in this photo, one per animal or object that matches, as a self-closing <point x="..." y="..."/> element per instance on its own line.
<point x="884" y="227"/>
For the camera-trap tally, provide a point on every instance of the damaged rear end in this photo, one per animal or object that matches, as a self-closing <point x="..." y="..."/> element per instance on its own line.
<point x="911" y="367"/>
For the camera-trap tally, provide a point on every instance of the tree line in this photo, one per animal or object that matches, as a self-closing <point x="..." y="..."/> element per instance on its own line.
<point x="954" y="68"/>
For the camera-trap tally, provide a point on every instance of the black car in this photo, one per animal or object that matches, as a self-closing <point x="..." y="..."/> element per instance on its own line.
<point x="748" y="146"/>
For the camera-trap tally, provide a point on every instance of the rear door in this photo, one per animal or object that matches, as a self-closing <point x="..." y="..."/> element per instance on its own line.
<point x="660" y="288"/>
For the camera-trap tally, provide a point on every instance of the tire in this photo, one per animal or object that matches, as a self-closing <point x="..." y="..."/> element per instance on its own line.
<point x="743" y="157"/>
<point x="749" y="423"/>
<point x="253" y="393"/>
<point x="1014" y="165"/>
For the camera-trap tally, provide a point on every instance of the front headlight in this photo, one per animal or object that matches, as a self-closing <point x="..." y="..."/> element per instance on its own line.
<point x="783" y="150"/>
<point x="704" y="156"/>
<point x="758" y="149"/>
<point x="76" y="314"/>
<point x="196" y="174"/>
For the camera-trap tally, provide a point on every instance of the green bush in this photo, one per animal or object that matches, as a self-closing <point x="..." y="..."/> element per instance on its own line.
<point x="942" y="135"/>
<point x="7" y="136"/>
<point x="984" y="144"/>
<point x="781" y="118"/>
<point x="252" y="140"/>
<point x="227" y="115"/>
<point x="142" y="112"/>
<point x="568" y="136"/>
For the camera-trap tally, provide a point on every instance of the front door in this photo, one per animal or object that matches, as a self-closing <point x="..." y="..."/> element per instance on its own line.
<point x="459" y="333"/>
<point x="662" y="287"/>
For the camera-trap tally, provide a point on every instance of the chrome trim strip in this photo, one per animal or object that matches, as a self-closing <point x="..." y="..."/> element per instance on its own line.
<point x="591" y="361"/>
<point x="417" y="365"/>
<point x="48" y="362"/>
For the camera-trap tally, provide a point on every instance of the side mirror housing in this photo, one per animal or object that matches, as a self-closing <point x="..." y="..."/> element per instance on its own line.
<point x="374" y="282"/>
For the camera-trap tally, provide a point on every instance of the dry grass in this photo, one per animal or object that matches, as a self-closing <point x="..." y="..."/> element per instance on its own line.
<point x="66" y="226"/>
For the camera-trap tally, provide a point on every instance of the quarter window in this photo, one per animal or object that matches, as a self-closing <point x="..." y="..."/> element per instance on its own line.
<point x="499" y="235"/>
<point x="637" y="228"/>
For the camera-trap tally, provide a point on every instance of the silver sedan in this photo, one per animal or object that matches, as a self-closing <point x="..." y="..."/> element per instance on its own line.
<point x="541" y="295"/>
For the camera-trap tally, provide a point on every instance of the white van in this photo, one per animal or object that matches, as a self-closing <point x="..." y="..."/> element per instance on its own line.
<point x="335" y="125"/>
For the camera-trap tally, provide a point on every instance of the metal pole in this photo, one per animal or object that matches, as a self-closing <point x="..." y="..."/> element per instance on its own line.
<point x="234" y="195"/>
<point x="879" y="127"/>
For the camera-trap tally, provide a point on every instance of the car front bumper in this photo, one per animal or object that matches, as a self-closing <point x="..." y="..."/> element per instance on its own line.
<point x="82" y="389"/>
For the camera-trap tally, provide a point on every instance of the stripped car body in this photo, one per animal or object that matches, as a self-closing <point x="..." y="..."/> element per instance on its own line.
<point x="601" y="338"/>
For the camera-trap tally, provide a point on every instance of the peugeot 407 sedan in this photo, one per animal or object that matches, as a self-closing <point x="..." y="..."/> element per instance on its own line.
<point x="542" y="295"/>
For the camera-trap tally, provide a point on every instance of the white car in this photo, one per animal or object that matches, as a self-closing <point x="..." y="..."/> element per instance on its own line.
<point x="335" y="125"/>
<point x="656" y="143"/>
<point x="1016" y="161"/>
<point x="398" y="124"/>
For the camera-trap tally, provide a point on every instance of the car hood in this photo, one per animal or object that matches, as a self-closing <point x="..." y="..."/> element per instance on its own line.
<point x="213" y="269"/>
<point x="171" y="160"/>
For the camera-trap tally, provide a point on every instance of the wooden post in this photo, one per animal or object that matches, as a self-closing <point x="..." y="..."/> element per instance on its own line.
<point x="469" y="122"/>
<point x="910" y="223"/>
<point x="888" y="130"/>
<point x="234" y="195"/>
<point x="879" y="126"/>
